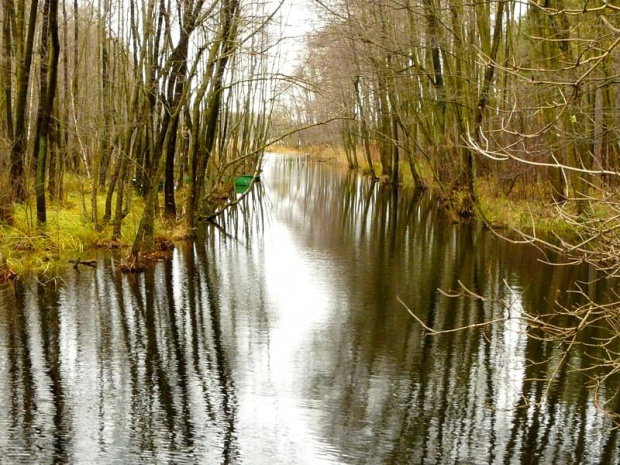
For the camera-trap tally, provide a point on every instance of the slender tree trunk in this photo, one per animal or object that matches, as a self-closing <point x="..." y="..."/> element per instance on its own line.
<point x="6" y="64"/>
<point x="483" y="99"/>
<point x="107" y="109"/>
<point x="182" y="164"/>
<point x="63" y="119"/>
<point x="435" y="53"/>
<point x="364" y="129"/>
<point x="75" y="82"/>
<point x="175" y="92"/>
<point x="54" y="156"/>
<point x="202" y="151"/>
<point x="385" y="124"/>
<point x="19" y="145"/>
<point x="107" y="213"/>
<point x="122" y="182"/>
<point x="6" y="207"/>
<point x="50" y="51"/>
<point x="395" y="152"/>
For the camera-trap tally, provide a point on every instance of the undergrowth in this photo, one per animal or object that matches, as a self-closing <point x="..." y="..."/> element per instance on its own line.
<point x="69" y="232"/>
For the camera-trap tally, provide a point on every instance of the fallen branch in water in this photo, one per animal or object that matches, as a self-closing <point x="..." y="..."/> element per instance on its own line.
<point x="79" y="261"/>
<point x="135" y="266"/>
<point x="434" y="332"/>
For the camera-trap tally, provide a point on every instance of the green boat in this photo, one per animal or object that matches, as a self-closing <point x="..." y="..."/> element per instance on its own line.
<point x="243" y="182"/>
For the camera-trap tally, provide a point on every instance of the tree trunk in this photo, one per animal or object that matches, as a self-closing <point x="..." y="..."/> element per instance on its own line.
<point x="201" y="152"/>
<point x="364" y="129"/>
<point x="19" y="143"/>
<point x="50" y="51"/>
<point x="483" y="98"/>
<point x="6" y="64"/>
<point x="435" y="54"/>
<point x="176" y="87"/>
<point x="107" y="214"/>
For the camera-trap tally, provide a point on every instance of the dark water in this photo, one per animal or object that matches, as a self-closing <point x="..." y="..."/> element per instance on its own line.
<point x="279" y="339"/>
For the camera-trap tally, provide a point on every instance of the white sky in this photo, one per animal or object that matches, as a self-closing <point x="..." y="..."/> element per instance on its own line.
<point x="298" y="19"/>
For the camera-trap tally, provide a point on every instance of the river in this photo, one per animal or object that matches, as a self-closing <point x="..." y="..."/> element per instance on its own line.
<point x="278" y="338"/>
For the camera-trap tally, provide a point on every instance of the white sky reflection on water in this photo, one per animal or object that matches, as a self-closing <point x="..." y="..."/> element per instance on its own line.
<point x="272" y="391"/>
<point x="299" y="302"/>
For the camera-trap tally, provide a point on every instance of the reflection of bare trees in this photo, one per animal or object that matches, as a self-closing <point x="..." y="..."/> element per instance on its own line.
<point x="48" y="306"/>
<point x="246" y="218"/>
<point x="399" y="396"/>
<point x="21" y="377"/>
<point x="219" y="363"/>
<point x="145" y="376"/>
<point x="174" y="362"/>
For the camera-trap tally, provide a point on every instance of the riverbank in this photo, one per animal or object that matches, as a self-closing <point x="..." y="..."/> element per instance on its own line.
<point x="70" y="234"/>
<point x="524" y="209"/>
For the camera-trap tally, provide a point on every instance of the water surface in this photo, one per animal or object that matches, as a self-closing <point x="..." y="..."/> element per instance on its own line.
<point x="278" y="338"/>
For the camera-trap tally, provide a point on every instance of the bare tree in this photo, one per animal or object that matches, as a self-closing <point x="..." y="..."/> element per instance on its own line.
<point x="25" y="47"/>
<point x="50" y="50"/>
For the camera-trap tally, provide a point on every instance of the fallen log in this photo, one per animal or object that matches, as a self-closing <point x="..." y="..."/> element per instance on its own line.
<point x="79" y="261"/>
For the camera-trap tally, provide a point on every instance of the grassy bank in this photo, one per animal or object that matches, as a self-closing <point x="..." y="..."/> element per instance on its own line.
<point x="69" y="233"/>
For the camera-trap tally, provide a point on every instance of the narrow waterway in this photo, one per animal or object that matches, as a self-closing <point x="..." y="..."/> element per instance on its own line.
<point x="279" y="338"/>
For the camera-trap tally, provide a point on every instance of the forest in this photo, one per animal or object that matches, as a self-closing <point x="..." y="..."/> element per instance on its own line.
<point x="107" y="103"/>
<point x="519" y="94"/>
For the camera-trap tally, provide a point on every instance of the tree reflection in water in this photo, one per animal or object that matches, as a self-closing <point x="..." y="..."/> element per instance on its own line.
<point x="278" y="338"/>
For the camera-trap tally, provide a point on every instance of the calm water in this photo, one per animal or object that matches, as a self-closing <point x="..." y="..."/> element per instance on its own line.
<point x="278" y="338"/>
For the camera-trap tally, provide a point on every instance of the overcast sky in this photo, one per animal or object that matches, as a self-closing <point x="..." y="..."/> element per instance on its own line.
<point x="299" y="19"/>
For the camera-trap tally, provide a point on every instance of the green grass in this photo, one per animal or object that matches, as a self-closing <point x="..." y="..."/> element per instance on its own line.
<point x="68" y="233"/>
<point x="528" y="212"/>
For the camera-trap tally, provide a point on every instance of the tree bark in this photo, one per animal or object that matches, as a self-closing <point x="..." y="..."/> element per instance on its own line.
<point x="202" y="151"/>
<point x="19" y="143"/>
<point x="50" y="51"/>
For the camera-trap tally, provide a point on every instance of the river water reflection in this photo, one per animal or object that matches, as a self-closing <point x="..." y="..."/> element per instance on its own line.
<point x="278" y="338"/>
